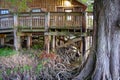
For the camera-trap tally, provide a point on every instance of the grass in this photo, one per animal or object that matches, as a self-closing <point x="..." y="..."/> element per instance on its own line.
<point x="7" y="52"/>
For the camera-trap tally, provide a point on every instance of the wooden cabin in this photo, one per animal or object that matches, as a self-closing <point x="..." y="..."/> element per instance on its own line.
<point x="51" y="19"/>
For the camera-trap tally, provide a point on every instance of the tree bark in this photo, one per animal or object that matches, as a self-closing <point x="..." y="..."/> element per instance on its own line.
<point x="106" y="42"/>
<point x="107" y="63"/>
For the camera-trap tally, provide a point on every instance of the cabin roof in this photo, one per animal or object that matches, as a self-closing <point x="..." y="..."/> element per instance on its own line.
<point x="80" y="2"/>
<point x="84" y="6"/>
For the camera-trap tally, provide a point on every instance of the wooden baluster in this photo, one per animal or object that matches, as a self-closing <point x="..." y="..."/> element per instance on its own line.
<point x="26" y="21"/>
<point x="23" y="21"/>
<point x="35" y="21"/>
<point x="64" y="21"/>
<point x="39" y="21"/>
<point x="31" y="21"/>
<point x="9" y="23"/>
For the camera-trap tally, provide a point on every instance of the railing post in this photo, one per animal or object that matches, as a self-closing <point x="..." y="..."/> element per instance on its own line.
<point x="17" y="44"/>
<point x="47" y="21"/>
<point x="46" y="34"/>
<point x="83" y="22"/>
<point x="2" y="41"/>
<point x="31" y="25"/>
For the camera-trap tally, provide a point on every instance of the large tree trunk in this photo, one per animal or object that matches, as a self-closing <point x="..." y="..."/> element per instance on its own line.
<point x="106" y="41"/>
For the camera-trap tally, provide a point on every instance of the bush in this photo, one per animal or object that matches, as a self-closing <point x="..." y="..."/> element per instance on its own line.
<point x="7" y="52"/>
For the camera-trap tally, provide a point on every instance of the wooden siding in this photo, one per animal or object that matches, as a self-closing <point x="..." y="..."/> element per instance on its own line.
<point x="46" y="5"/>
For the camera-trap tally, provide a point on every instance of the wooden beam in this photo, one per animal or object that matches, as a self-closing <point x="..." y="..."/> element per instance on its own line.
<point x="2" y="35"/>
<point x="9" y="45"/>
<point x="23" y="34"/>
<point x="71" y="41"/>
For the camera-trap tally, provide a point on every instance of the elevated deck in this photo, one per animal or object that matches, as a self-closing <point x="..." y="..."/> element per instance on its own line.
<point x="53" y="27"/>
<point x="42" y="22"/>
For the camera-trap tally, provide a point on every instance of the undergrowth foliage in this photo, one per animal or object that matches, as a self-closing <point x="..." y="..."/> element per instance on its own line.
<point x="38" y="66"/>
<point x="6" y="52"/>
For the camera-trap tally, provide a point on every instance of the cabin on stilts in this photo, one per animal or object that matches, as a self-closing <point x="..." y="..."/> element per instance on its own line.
<point x="56" y="23"/>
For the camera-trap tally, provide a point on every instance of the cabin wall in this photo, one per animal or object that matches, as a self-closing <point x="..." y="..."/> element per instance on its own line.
<point x="45" y="5"/>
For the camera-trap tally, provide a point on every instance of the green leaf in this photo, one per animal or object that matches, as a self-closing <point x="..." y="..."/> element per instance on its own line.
<point x="18" y="5"/>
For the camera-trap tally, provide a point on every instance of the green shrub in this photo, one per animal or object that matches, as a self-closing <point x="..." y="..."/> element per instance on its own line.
<point x="7" y="52"/>
<point x="39" y="67"/>
<point x="25" y="68"/>
<point x="37" y="46"/>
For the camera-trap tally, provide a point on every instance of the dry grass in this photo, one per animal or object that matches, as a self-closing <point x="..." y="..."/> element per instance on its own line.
<point x="39" y="66"/>
<point x="17" y="60"/>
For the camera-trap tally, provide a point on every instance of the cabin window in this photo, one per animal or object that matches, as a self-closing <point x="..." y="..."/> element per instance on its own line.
<point x="68" y="10"/>
<point x="4" y="11"/>
<point x="68" y="17"/>
<point x="36" y="10"/>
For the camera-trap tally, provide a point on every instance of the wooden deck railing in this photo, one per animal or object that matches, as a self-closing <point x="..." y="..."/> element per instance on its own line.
<point x="65" y="20"/>
<point x="42" y="20"/>
<point x="6" y="21"/>
<point x="89" y="20"/>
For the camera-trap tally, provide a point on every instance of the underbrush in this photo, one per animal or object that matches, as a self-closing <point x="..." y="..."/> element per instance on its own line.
<point x="7" y="52"/>
<point x="39" y="65"/>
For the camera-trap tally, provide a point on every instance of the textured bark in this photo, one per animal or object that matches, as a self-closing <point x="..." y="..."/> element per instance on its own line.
<point x="87" y="69"/>
<point x="108" y="36"/>
<point x="106" y="41"/>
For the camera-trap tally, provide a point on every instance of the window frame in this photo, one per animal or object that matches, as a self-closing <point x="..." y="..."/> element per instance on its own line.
<point x="4" y="11"/>
<point x="36" y="10"/>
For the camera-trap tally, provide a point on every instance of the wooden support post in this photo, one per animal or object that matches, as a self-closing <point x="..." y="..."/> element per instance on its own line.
<point x="83" y="46"/>
<point x="46" y="34"/>
<point x="17" y="41"/>
<point x="88" y="45"/>
<point x="47" y="43"/>
<point x="53" y="43"/>
<point x="57" y="41"/>
<point x="2" y="41"/>
<point x="61" y="42"/>
<point x="17" y="44"/>
<point x="28" y="42"/>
